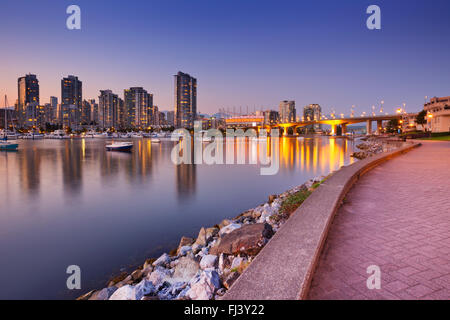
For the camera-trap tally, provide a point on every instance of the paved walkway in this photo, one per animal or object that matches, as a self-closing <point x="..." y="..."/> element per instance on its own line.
<point x="398" y="218"/>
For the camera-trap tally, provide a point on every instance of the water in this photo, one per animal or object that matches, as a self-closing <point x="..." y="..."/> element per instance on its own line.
<point x="65" y="202"/>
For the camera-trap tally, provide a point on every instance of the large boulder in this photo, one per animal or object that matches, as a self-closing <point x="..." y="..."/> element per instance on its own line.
<point x="205" y="235"/>
<point x="249" y="239"/>
<point x="163" y="260"/>
<point x="229" y="228"/>
<point x="185" y="270"/>
<point x="203" y="286"/>
<point x="159" y="276"/>
<point x="185" y="241"/>
<point x="208" y="261"/>
<point x="129" y="292"/>
<point x="103" y="294"/>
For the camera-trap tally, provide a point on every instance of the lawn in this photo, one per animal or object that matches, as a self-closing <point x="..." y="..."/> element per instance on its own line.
<point x="442" y="138"/>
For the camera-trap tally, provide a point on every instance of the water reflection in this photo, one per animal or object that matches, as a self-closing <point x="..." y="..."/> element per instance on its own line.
<point x="70" y="201"/>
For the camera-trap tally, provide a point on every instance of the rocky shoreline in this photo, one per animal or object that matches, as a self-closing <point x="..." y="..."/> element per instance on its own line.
<point x="369" y="147"/>
<point x="206" y="267"/>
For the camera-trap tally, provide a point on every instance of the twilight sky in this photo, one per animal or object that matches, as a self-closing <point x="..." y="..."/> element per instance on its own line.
<point x="243" y="52"/>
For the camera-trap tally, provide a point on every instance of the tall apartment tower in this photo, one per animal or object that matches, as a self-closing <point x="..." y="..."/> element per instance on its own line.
<point x="185" y="100"/>
<point x="287" y="111"/>
<point x="28" y="96"/>
<point x="71" y="101"/>
<point x="108" y="104"/>
<point x="138" y="105"/>
<point x="312" y="112"/>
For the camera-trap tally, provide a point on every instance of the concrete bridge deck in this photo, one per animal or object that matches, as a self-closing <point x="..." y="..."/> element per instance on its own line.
<point x="397" y="217"/>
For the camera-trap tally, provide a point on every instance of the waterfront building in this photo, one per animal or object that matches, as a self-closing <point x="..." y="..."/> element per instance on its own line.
<point x="244" y="121"/>
<point x="271" y="117"/>
<point x="28" y="98"/>
<point x="108" y="103"/>
<point x="170" y="118"/>
<point x="53" y="110"/>
<point x="185" y="100"/>
<point x="312" y="112"/>
<point x="438" y="114"/>
<point x="94" y="111"/>
<point x="71" y="102"/>
<point x="86" y="113"/>
<point x="138" y="108"/>
<point x="287" y="111"/>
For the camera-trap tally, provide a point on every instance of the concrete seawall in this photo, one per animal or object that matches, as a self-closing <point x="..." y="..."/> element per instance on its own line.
<point x="283" y="270"/>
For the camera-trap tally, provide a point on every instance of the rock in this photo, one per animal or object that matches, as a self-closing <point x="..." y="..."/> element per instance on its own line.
<point x="224" y="223"/>
<point x="184" y="250"/>
<point x="87" y="296"/>
<point x="266" y="214"/>
<point x="185" y="270"/>
<point x="196" y="248"/>
<point x="229" y="228"/>
<point x="153" y="298"/>
<point x="159" y="275"/>
<point x="136" y="275"/>
<point x="230" y="279"/>
<point x="221" y="292"/>
<point x="208" y="261"/>
<point x="143" y="288"/>
<point x="203" y="286"/>
<point x="272" y="198"/>
<point x="185" y="241"/>
<point x="103" y="294"/>
<point x="249" y="239"/>
<point x="147" y="270"/>
<point x="211" y="233"/>
<point x="237" y="262"/>
<point x="124" y="293"/>
<point x="163" y="260"/>
<point x="201" y="238"/>
<point x="224" y="262"/>
<point x="147" y="263"/>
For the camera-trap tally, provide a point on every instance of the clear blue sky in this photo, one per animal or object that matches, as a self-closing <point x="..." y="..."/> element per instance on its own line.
<point x="243" y="52"/>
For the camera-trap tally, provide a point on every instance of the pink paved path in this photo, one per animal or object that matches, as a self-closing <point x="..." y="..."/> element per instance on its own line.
<point x="397" y="217"/>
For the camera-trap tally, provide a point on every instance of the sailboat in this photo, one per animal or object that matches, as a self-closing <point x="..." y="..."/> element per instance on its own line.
<point x="5" y="145"/>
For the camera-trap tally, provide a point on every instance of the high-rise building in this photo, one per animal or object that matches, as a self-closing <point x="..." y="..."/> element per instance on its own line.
<point x="53" y="110"/>
<point x="312" y="112"/>
<point x="170" y="118"/>
<point x="185" y="100"/>
<point x="94" y="111"/>
<point x="287" y="111"/>
<point x="271" y="117"/>
<point x="71" y="101"/>
<point x="138" y="104"/>
<point x="108" y="104"/>
<point x="28" y="97"/>
<point x="86" y="113"/>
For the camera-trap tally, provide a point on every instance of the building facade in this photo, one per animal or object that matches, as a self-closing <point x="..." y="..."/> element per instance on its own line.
<point x="287" y="111"/>
<point x="312" y="112"/>
<point x="71" y="102"/>
<point x="138" y="104"/>
<point x="108" y="103"/>
<point x="185" y="100"/>
<point x="438" y="114"/>
<point x="271" y="117"/>
<point x="28" y="98"/>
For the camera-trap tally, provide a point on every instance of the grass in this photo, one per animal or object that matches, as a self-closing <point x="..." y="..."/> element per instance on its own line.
<point x="290" y="204"/>
<point x="441" y="138"/>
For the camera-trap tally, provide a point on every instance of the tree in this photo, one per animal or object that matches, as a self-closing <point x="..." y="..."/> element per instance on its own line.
<point x="392" y="126"/>
<point x="422" y="118"/>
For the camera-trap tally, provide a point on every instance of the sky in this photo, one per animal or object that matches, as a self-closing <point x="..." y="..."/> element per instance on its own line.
<point x="244" y="53"/>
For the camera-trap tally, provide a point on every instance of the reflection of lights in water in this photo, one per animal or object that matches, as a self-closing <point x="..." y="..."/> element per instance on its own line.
<point x="83" y="148"/>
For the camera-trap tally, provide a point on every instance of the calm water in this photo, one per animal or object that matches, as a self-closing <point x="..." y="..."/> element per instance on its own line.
<point x="70" y="202"/>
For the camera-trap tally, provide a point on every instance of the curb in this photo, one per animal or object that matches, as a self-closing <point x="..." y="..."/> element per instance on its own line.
<point x="284" y="268"/>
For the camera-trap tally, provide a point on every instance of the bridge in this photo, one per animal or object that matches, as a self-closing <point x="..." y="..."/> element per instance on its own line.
<point x="334" y="123"/>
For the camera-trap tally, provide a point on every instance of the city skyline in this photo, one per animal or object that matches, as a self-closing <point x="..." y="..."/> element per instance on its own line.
<point x="236" y="56"/>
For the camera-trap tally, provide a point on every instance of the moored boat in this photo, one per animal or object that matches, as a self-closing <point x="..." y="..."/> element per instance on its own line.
<point x="8" y="146"/>
<point x="119" y="146"/>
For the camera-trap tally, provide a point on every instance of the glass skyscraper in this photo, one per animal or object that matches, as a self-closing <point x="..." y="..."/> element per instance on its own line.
<point x="185" y="100"/>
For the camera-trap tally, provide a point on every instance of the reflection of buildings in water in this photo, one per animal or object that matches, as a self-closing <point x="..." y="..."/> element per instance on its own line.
<point x="186" y="180"/>
<point x="29" y="170"/>
<point x="316" y="155"/>
<point x="72" y="159"/>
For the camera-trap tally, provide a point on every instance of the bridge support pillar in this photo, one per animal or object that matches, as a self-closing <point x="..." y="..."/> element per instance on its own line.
<point x="379" y="126"/>
<point x="344" y="129"/>
<point x="333" y="129"/>
<point x="369" y="127"/>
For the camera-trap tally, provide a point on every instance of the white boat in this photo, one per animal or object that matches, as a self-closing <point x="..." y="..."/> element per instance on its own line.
<point x="136" y="136"/>
<point x="101" y="135"/>
<point x="33" y="136"/>
<point x="155" y="140"/>
<point x="119" y="146"/>
<point x="58" y="134"/>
